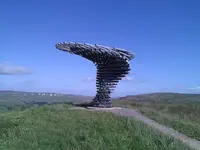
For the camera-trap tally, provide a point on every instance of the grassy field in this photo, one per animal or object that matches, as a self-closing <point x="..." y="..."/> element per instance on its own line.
<point x="178" y="114"/>
<point x="57" y="127"/>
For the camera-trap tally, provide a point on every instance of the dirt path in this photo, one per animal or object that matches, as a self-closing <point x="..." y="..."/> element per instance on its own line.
<point x="194" y="144"/>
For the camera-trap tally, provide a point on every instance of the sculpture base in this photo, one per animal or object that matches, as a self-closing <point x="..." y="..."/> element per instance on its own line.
<point x="103" y="108"/>
<point x="94" y="105"/>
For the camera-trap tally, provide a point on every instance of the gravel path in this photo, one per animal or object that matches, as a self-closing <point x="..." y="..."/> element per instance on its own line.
<point x="194" y="144"/>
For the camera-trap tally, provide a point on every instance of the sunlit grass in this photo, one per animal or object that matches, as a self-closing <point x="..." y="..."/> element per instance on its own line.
<point x="59" y="128"/>
<point x="182" y="116"/>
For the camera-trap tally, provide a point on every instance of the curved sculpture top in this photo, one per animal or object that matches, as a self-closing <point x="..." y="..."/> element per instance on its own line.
<point x="88" y="50"/>
<point x="112" y="65"/>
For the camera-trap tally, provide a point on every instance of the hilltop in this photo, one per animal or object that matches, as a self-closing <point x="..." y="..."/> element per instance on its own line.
<point x="58" y="127"/>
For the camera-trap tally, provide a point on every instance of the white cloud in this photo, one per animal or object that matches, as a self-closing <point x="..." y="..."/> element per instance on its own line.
<point x="128" y="78"/>
<point x="8" y="69"/>
<point x="26" y="84"/>
<point x="89" y="79"/>
<point x="93" y="79"/>
<point x="194" y="88"/>
<point x="134" y="80"/>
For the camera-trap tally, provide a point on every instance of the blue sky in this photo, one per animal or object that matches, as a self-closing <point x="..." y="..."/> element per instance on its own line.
<point x="164" y="35"/>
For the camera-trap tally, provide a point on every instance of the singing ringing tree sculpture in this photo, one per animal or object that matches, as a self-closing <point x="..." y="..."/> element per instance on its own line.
<point x="112" y="65"/>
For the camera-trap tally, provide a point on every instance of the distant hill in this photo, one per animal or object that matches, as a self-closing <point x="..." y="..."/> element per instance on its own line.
<point x="9" y="99"/>
<point x="167" y="97"/>
<point x="41" y="95"/>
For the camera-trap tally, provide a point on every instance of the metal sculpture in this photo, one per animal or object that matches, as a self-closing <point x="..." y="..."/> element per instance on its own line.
<point x="112" y="65"/>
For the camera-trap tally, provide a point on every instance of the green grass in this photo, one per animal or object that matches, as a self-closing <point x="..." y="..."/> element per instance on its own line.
<point x="57" y="127"/>
<point x="182" y="116"/>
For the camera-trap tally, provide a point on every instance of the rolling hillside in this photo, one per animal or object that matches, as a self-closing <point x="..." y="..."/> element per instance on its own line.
<point x="164" y="97"/>
<point x="179" y="111"/>
<point x="9" y="99"/>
